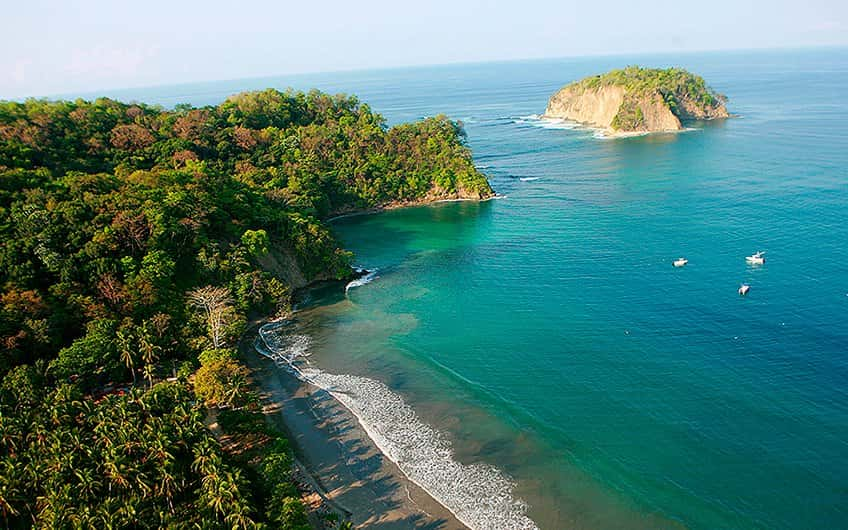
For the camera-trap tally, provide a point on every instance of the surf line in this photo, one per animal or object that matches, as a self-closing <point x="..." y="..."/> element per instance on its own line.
<point x="479" y="495"/>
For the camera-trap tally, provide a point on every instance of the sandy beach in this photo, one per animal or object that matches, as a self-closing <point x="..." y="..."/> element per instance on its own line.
<point x="340" y="456"/>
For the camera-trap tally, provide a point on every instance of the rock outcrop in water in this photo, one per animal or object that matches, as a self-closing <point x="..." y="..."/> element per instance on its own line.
<point x="638" y="100"/>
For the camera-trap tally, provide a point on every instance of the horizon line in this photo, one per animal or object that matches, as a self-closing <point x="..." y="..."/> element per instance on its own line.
<point x="70" y="96"/>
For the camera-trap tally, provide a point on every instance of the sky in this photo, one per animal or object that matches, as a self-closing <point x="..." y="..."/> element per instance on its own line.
<point x="72" y="46"/>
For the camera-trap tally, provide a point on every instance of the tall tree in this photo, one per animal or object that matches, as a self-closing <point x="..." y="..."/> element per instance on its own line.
<point x="214" y="301"/>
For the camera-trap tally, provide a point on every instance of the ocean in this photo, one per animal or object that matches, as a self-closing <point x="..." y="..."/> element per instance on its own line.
<point x="537" y="360"/>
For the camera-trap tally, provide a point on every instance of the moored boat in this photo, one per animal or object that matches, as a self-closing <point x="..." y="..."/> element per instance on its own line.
<point x="680" y="262"/>
<point x="758" y="258"/>
<point x="743" y="289"/>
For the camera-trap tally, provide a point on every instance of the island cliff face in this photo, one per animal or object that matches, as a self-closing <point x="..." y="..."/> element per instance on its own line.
<point x="637" y="100"/>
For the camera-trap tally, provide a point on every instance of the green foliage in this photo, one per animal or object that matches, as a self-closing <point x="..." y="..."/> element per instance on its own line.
<point x="243" y="421"/>
<point x="223" y="382"/>
<point x="629" y="117"/>
<point x="256" y="242"/>
<point x="23" y="386"/>
<point x="684" y="93"/>
<point x="280" y="498"/>
<point x="284" y="506"/>
<point x="668" y="81"/>
<point x="114" y="218"/>
<point x="221" y="354"/>
<point x="288" y="512"/>
<point x="110" y="210"/>
<point x="144" y="459"/>
<point x="92" y="357"/>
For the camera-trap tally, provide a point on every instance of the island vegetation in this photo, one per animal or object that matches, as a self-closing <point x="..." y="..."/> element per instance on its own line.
<point x="137" y="244"/>
<point x="635" y="99"/>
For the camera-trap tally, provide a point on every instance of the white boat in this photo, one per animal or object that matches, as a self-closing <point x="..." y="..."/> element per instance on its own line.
<point x="679" y="262"/>
<point x="743" y="289"/>
<point x="757" y="259"/>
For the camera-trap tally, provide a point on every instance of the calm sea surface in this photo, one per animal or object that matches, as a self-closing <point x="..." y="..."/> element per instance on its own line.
<point x="547" y="333"/>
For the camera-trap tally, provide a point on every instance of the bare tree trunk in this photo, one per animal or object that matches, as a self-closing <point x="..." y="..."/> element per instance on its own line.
<point x="214" y="301"/>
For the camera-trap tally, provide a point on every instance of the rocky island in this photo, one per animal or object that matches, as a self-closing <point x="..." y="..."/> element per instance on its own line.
<point x="638" y="100"/>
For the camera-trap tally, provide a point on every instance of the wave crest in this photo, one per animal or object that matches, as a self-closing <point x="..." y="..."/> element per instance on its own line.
<point x="362" y="280"/>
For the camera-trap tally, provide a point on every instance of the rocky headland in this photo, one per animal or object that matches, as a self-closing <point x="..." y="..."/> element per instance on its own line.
<point x="638" y="100"/>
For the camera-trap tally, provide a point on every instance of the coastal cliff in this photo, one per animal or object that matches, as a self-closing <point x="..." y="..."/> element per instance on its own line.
<point x="638" y="100"/>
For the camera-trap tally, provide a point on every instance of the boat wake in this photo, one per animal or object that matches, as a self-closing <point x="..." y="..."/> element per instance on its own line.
<point x="362" y="280"/>
<point x="479" y="495"/>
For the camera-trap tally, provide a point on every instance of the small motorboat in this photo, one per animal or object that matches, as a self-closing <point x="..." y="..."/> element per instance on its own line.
<point x="680" y="262"/>
<point x="757" y="259"/>
<point x="743" y="289"/>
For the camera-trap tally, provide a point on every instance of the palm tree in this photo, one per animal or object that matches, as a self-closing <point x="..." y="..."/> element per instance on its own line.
<point x="149" y="354"/>
<point x="108" y="513"/>
<point x="115" y="466"/>
<point x="10" y="492"/>
<point x="206" y="457"/>
<point x="10" y="434"/>
<point x="168" y="484"/>
<point x="126" y="351"/>
<point x="87" y="483"/>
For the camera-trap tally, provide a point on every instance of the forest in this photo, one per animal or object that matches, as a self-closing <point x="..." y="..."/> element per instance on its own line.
<point x="138" y="243"/>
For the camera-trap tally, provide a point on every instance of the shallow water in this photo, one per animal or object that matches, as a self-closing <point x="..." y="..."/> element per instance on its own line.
<point x="548" y="334"/>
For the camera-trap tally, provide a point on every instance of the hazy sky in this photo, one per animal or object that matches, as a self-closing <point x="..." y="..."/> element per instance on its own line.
<point x="52" y="47"/>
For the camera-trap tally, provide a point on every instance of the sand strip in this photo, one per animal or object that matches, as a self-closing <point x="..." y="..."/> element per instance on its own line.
<point x="340" y="456"/>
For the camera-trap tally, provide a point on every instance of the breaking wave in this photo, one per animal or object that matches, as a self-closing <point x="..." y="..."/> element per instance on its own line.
<point x="602" y="134"/>
<point x="282" y="348"/>
<point x="362" y="280"/>
<point x="536" y="120"/>
<point x="479" y="495"/>
<point x="605" y="135"/>
<point x="528" y="179"/>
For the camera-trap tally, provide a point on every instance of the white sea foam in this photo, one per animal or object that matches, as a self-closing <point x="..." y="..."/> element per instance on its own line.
<point x="479" y="495"/>
<point x="603" y="134"/>
<point x="362" y="280"/>
<point x="281" y="347"/>
<point x="546" y="123"/>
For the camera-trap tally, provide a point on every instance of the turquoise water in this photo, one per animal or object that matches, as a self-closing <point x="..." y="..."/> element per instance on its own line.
<point x="547" y="334"/>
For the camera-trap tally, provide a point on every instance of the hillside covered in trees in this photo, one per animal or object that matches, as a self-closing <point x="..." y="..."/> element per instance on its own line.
<point x="137" y="242"/>
<point x="637" y="99"/>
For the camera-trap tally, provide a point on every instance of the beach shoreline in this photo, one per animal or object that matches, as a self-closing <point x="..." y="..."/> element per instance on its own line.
<point x="411" y="204"/>
<point x="339" y="454"/>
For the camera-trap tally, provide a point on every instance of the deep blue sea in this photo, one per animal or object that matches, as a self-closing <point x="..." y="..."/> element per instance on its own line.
<point x="547" y="335"/>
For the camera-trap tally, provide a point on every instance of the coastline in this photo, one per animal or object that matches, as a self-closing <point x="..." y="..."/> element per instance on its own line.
<point x="339" y="454"/>
<point x="411" y="204"/>
<point x="606" y="133"/>
<point x="361" y="472"/>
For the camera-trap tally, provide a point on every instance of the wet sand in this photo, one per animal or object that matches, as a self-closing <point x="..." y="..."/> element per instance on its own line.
<point x="341" y="458"/>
